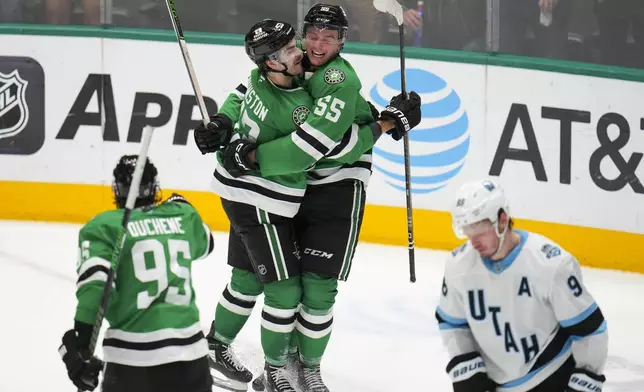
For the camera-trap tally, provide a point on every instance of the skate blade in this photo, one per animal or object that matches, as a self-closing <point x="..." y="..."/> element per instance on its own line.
<point x="223" y="382"/>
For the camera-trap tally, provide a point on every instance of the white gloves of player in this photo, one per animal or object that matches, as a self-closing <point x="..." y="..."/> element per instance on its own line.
<point x="583" y="380"/>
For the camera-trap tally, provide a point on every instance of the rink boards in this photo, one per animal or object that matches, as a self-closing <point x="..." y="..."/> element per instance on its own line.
<point x="564" y="140"/>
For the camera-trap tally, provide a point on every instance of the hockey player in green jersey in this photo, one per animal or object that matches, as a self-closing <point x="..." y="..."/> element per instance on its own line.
<point x="262" y="242"/>
<point x="329" y="220"/>
<point x="262" y="248"/>
<point x="154" y="341"/>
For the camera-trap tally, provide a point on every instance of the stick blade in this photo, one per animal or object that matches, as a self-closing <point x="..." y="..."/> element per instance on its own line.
<point x="391" y="7"/>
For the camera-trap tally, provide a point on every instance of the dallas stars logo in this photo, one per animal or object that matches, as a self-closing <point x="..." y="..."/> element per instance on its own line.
<point x="300" y="114"/>
<point x="334" y="76"/>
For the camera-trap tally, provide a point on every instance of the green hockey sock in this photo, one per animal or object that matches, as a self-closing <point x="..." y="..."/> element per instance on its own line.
<point x="281" y="300"/>
<point x="292" y="350"/>
<point x="315" y="318"/>
<point x="236" y="304"/>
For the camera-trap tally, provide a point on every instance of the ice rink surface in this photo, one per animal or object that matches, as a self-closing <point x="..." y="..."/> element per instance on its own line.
<point x="385" y="338"/>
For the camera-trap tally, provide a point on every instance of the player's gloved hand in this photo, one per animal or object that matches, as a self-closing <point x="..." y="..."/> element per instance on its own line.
<point x="469" y="374"/>
<point x="236" y="159"/>
<point x="215" y="136"/>
<point x="82" y="368"/>
<point x="583" y="380"/>
<point x="404" y="112"/>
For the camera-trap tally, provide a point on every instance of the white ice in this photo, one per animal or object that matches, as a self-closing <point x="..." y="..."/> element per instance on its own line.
<point x="385" y="338"/>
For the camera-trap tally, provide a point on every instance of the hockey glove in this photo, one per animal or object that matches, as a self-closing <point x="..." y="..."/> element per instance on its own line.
<point x="82" y="368"/>
<point x="236" y="160"/>
<point x="215" y="136"/>
<point x="468" y="374"/>
<point x="583" y="380"/>
<point x="404" y="112"/>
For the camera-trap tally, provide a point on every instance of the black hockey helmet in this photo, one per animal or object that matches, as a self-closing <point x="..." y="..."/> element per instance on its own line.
<point x="327" y="16"/>
<point x="149" y="192"/>
<point x="266" y="38"/>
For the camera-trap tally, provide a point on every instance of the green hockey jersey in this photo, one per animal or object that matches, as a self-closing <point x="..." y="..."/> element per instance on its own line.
<point x="334" y="134"/>
<point x="152" y="315"/>
<point x="262" y="112"/>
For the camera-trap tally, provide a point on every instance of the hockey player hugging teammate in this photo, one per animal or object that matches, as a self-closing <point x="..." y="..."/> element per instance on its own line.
<point x="514" y="313"/>
<point x="154" y="341"/>
<point x="265" y="151"/>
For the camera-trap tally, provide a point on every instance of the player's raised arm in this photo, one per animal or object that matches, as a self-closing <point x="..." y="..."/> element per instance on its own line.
<point x="307" y="145"/>
<point x="295" y="155"/>
<point x="332" y="116"/>
<point x="580" y="316"/>
<point x="217" y="134"/>
<point x="331" y="123"/>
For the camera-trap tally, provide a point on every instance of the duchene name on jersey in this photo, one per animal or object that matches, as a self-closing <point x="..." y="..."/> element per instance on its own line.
<point x="155" y="226"/>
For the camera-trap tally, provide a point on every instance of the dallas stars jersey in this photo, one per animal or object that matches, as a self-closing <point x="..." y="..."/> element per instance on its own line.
<point x="525" y="315"/>
<point x="323" y="138"/>
<point x="151" y="311"/>
<point x="263" y="112"/>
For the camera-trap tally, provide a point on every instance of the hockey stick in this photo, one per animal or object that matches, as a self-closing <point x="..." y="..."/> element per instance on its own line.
<point x="132" y="195"/>
<point x="172" y="9"/>
<point x="394" y="8"/>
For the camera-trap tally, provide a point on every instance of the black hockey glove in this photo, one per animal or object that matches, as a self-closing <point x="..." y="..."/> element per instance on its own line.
<point x="215" y="136"/>
<point x="404" y="112"/>
<point x="583" y="380"/>
<point x="469" y="374"/>
<point x="236" y="160"/>
<point x="82" y="368"/>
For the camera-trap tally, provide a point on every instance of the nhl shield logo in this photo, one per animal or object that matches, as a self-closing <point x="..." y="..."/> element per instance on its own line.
<point x="14" y="112"/>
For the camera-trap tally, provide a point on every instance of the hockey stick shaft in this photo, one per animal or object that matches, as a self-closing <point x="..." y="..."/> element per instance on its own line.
<point x="392" y="7"/>
<point x="176" y="24"/>
<point x="410" y="216"/>
<point x="132" y="195"/>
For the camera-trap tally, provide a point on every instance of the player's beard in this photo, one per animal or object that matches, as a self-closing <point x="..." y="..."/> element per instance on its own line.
<point x="295" y="67"/>
<point x="291" y="62"/>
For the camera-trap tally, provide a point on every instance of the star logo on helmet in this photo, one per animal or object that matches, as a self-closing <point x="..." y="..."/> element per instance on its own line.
<point x="300" y="114"/>
<point x="334" y="76"/>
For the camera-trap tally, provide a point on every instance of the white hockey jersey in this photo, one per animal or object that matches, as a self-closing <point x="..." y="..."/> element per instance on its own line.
<point x="525" y="315"/>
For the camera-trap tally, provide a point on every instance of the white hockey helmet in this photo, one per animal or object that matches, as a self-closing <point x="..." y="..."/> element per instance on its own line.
<point x="477" y="201"/>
